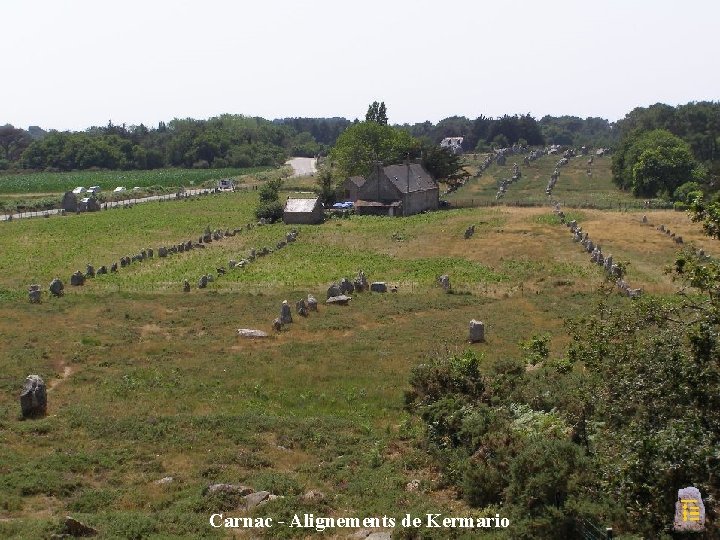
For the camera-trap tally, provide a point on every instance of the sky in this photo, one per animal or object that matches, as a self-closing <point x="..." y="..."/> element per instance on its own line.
<point x="72" y="64"/>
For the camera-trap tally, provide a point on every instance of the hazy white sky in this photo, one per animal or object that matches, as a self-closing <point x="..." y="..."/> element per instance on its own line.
<point x="70" y="64"/>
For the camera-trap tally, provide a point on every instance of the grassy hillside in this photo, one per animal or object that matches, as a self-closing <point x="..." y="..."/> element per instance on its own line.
<point x="574" y="188"/>
<point x="148" y="381"/>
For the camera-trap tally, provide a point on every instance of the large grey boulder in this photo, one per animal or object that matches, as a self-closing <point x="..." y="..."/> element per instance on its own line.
<point x="477" y="331"/>
<point x="77" y="279"/>
<point x="251" y="333"/>
<point x="334" y="290"/>
<point x="254" y="499"/>
<point x="346" y="286"/>
<point x="341" y="300"/>
<point x="34" y="294"/>
<point x="444" y="281"/>
<point x="33" y="399"/>
<point x="285" y="314"/>
<point x="378" y="286"/>
<point x="229" y="488"/>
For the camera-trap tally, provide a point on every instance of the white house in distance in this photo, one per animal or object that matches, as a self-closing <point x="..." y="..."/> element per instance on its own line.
<point x="454" y="144"/>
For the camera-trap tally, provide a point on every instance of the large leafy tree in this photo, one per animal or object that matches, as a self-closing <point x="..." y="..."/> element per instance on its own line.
<point x="654" y="162"/>
<point x="366" y="142"/>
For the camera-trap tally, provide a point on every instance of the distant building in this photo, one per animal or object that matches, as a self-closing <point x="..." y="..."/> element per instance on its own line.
<point x="351" y="187"/>
<point x="226" y="184"/>
<point x="303" y="211"/>
<point x="397" y="190"/>
<point x="454" y="144"/>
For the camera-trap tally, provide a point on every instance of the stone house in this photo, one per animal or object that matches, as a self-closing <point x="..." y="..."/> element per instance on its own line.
<point x="303" y="211"/>
<point x="397" y="190"/>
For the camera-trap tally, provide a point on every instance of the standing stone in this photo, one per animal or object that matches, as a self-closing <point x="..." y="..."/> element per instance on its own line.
<point x="378" y="286"/>
<point x="477" y="331"/>
<point x="644" y="219"/>
<point x="312" y="303"/>
<point x="444" y="281"/>
<point x="34" y="294"/>
<point x="33" y="399"/>
<point x="232" y="264"/>
<point x="77" y="279"/>
<point x="150" y="253"/>
<point x="285" y="315"/>
<point x="90" y="271"/>
<point x="113" y="267"/>
<point x="186" y="286"/>
<point x="202" y="283"/>
<point x="346" y="286"/>
<point x="102" y="270"/>
<point x="301" y="308"/>
<point x="360" y="282"/>
<point x="162" y="251"/>
<point x="689" y="511"/>
<point x="277" y="325"/>
<point x="333" y="290"/>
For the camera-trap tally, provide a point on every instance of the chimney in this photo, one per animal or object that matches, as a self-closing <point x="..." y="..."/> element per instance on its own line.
<point x="407" y="167"/>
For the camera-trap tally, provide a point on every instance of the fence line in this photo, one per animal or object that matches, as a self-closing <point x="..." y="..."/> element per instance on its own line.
<point x="121" y="203"/>
<point x="620" y="206"/>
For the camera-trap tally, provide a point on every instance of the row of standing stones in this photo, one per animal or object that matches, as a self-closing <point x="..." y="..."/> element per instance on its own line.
<point x="253" y="254"/>
<point x="613" y="270"/>
<point x="77" y="279"/>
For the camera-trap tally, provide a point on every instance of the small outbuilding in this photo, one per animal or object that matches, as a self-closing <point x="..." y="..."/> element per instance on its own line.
<point x="303" y="211"/>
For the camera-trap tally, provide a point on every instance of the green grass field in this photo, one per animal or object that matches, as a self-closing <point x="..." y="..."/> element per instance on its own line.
<point x="44" y="182"/>
<point x="147" y="381"/>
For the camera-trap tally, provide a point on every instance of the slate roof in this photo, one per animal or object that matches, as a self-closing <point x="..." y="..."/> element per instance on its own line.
<point x="419" y="178"/>
<point x="357" y="180"/>
<point x="300" y="205"/>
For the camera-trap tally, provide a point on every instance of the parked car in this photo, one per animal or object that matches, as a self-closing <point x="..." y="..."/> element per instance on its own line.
<point x="78" y="190"/>
<point x="94" y="189"/>
<point x="119" y="189"/>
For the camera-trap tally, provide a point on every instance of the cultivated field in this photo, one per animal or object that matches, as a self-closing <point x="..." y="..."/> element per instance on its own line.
<point x="149" y="382"/>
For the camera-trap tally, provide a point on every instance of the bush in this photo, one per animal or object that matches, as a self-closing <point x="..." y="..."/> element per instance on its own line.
<point x="272" y="211"/>
<point x="680" y="206"/>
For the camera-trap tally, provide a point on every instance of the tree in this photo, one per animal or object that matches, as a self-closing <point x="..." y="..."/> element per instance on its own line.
<point x="443" y="164"/>
<point x="327" y="186"/>
<point x="13" y="142"/>
<point x="377" y="113"/>
<point x="366" y="142"/>
<point x="269" y="206"/>
<point x="651" y="162"/>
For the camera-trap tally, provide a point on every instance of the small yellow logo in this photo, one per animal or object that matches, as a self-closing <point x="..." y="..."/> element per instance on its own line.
<point x="690" y="509"/>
